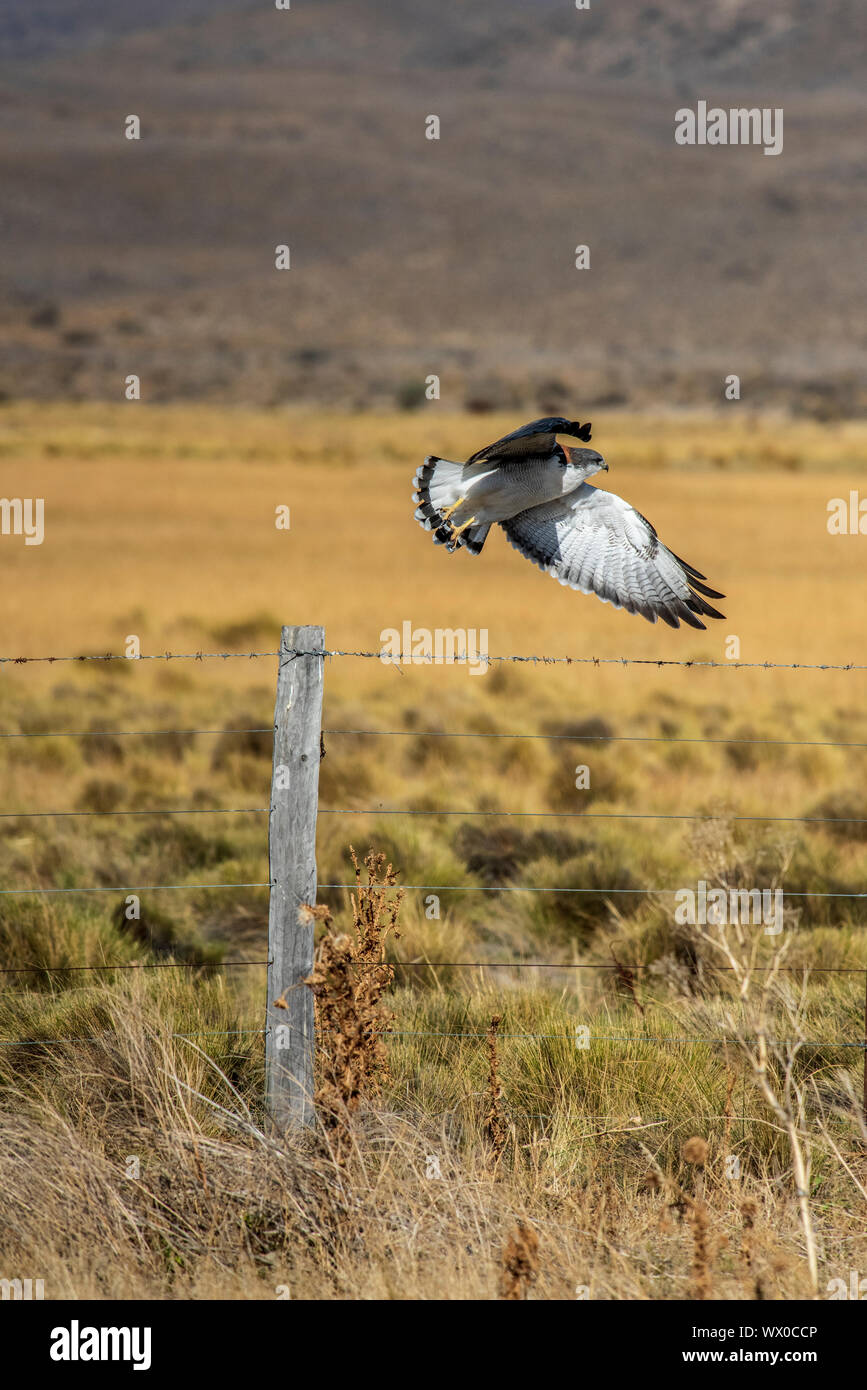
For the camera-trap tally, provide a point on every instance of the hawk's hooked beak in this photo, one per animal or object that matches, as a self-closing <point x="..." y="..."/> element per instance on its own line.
<point x="581" y="460"/>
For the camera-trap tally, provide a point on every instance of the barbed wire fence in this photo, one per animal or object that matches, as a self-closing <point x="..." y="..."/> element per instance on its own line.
<point x="293" y="811"/>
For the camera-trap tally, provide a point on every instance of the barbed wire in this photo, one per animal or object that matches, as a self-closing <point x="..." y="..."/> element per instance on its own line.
<point x="459" y="659"/>
<point x="463" y="659"/>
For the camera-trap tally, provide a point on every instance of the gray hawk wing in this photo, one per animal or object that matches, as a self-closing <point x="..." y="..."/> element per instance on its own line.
<point x="593" y="541"/>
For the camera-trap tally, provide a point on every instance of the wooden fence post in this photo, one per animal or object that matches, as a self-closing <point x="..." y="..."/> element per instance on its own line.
<point x="289" y="1041"/>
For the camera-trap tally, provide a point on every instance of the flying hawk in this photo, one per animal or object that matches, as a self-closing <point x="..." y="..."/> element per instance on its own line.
<point x="587" y="538"/>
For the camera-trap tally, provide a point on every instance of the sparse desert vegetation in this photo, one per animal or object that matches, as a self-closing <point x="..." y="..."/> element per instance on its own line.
<point x="470" y="1162"/>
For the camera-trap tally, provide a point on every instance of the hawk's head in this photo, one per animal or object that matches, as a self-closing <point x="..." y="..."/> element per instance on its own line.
<point x="583" y="463"/>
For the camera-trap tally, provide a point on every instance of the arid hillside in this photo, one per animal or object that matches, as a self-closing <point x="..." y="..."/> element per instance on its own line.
<point x="411" y="256"/>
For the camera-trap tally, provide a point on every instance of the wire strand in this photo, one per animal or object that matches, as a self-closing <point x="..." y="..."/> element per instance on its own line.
<point x="461" y="659"/>
<point x="130" y="965"/>
<point x="129" y="733"/>
<point x="595" y="965"/>
<point x="408" y="887"/>
<point x="592" y="815"/>
<point x="430" y="965"/>
<point x="624" y="1037"/>
<point x="53" y="1042"/>
<point x="410" y="811"/>
<point x="448" y="733"/>
<point x="137" y="888"/>
<point x="154" y="656"/>
<point x="526" y="888"/>
<point x="152" y="811"/>
<point x="539" y="1037"/>
<point x="594" y="738"/>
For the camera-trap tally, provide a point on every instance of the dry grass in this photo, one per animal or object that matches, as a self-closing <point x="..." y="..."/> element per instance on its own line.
<point x="591" y="1142"/>
<point x="218" y="1208"/>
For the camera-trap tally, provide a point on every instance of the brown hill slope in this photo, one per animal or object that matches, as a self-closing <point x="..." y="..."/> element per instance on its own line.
<point x="411" y="256"/>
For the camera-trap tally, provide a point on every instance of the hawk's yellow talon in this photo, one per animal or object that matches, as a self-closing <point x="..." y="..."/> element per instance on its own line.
<point x="450" y="511"/>
<point x="458" y="530"/>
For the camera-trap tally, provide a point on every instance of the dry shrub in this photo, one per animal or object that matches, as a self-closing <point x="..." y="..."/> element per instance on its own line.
<point x="350" y="976"/>
<point x="626" y="977"/>
<point x="704" y="1247"/>
<point x="695" y="1151"/>
<point x="750" y="1251"/>
<point x="702" y="1274"/>
<point x="728" y="1109"/>
<point x="101" y="795"/>
<point x="243" y="736"/>
<point x="520" y="1263"/>
<point x="496" y="1129"/>
<point x="374" y="913"/>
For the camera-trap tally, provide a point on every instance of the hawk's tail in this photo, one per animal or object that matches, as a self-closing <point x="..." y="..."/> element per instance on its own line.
<point x="438" y="487"/>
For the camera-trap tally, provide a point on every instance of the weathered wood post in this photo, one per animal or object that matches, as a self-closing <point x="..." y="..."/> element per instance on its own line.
<point x="289" y="1039"/>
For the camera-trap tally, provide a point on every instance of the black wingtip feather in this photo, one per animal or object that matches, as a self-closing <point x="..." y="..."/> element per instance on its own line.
<point x="705" y="589"/>
<point x="690" y="569"/>
<point x="692" y="621"/>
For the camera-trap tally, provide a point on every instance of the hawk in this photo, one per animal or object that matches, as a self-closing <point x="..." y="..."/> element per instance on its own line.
<point x="586" y="538"/>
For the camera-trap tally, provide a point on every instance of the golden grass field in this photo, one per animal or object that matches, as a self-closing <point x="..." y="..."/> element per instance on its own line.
<point x="160" y="523"/>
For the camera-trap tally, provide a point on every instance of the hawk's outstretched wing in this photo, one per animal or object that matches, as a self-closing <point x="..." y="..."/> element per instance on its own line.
<point x="594" y="541"/>
<point x="535" y="440"/>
